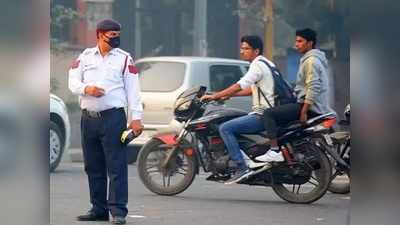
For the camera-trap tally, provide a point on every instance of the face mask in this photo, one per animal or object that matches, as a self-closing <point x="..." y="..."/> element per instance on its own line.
<point x="114" y="42"/>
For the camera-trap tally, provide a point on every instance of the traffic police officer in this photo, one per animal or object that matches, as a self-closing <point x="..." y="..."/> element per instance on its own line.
<point x="106" y="80"/>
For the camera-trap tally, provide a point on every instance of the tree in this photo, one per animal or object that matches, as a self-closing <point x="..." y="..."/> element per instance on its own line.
<point x="328" y="17"/>
<point x="60" y="17"/>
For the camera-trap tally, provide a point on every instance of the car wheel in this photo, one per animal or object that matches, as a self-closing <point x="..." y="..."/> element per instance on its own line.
<point x="56" y="144"/>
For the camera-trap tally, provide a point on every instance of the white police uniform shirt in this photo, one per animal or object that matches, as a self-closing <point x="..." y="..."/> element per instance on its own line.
<point x="115" y="73"/>
<point x="259" y="75"/>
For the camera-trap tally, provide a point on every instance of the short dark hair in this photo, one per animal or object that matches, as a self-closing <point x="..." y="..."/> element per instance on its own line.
<point x="308" y="34"/>
<point x="254" y="41"/>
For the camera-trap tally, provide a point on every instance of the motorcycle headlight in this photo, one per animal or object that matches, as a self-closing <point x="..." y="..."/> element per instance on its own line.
<point x="184" y="106"/>
<point x="179" y="102"/>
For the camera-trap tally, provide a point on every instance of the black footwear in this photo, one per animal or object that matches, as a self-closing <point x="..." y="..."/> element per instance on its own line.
<point x="91" y="216"/>
<point x="240" y="175"/>
<point x="217" y="177"/>
<point x="118" y="220"/>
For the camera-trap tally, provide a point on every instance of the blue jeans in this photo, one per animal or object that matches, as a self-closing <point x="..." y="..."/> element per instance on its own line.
<point x="248" y="124"/>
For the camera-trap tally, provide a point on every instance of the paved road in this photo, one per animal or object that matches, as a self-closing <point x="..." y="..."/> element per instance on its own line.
<point x="204" y="203"/>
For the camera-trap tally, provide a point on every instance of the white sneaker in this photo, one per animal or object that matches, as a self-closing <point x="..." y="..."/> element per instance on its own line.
<point x="271" y="156"/>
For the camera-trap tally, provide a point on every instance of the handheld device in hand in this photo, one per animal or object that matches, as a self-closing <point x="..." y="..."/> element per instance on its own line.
<point x="128" y="136"/>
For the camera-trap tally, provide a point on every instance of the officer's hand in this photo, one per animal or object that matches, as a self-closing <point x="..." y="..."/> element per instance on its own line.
<point x="136" y="126"/>
<point x="94" y="91"/>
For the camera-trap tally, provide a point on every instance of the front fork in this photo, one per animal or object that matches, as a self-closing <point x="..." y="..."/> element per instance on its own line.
<point x="182" y="135"/>
<point x="196" y="151"/>
<point x="174" y="148"/>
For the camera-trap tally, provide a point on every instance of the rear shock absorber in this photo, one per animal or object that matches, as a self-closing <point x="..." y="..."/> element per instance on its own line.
<point x="287" y="155"/>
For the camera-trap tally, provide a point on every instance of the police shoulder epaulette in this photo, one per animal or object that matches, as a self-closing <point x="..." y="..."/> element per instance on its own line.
<point x="122" y="52"/>
<point x="87" y="51"/>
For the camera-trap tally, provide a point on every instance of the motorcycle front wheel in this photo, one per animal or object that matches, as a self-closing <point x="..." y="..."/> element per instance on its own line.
<point x="173" y="179"/>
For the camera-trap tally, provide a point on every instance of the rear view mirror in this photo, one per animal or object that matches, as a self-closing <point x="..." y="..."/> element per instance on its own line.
<point x="202" y="91"/>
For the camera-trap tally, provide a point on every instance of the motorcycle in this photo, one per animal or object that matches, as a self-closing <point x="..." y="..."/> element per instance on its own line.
<point x="337" y="145"/>
<point x="169" y="162"/>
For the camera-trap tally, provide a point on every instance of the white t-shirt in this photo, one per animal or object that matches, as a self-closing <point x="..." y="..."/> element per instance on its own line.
<point x="259" y="75"/>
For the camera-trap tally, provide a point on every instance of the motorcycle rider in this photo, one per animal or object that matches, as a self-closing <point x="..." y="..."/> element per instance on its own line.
<point x="257" y="77"/>
<point x="311" y="90"/>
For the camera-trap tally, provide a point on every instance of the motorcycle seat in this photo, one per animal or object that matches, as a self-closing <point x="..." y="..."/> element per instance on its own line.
<point x="281" y="130"/>
<point x="293" y="125"/>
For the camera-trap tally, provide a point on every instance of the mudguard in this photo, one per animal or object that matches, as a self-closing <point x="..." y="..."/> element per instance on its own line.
<point x="167" y="138"/>
<point x="170" y="139"/>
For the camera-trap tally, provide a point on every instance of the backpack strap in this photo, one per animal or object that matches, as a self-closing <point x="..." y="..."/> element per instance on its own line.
<point x="273" y="70"/>
<point x="262" y="93"/>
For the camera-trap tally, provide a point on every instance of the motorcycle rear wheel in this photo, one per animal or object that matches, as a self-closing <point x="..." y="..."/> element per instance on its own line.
<point x="319" y="182"/>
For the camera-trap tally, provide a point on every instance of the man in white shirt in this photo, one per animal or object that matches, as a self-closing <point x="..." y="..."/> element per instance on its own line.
<point x="258" y="78"/>
<point x="106" y="81"/>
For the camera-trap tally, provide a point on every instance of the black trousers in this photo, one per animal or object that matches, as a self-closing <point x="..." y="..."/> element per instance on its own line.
<point x="281" y="116"/>
<point x="104" y="154"/>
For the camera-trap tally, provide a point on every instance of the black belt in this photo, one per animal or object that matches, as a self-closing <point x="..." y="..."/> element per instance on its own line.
<point x="94" y="114"/>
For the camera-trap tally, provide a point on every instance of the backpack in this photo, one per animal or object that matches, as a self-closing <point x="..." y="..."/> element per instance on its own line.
<point x="284" y="93"/>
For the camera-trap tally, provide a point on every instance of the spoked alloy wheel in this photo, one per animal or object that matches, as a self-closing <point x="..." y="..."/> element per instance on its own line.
<point x="340" y="180"/>
<point x="313" y="189"/>
<point x="56" y="147"/>
<point x="173" y="179"/>
<point x="340" y="183"/>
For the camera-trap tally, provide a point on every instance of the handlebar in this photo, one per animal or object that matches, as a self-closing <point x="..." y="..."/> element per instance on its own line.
<point x="208" y="101"/>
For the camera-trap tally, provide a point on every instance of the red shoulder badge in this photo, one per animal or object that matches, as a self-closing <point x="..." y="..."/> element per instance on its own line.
<point x="133" y="69"/>
<point x="75" y="64"/>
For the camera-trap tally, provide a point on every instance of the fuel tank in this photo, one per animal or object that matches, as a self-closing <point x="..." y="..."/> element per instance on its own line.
<point x="218" y="115"/>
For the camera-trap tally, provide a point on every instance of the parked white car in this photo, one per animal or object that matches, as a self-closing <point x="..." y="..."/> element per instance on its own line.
<point x="162" y="79"/>
<point x="60" y="131"/>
